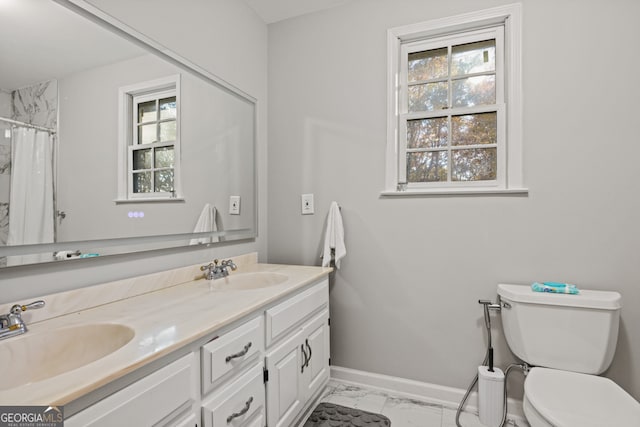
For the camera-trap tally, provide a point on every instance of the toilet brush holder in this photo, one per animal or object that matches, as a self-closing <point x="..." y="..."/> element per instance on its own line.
<point x="490" y="396"/>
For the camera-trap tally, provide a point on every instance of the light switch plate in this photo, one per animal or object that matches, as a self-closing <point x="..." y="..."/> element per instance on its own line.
<point x="307" y="204"/>
<point x="234" y="205"/>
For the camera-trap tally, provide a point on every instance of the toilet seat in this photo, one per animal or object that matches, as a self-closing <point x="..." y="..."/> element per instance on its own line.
<point x="571" y="399"/>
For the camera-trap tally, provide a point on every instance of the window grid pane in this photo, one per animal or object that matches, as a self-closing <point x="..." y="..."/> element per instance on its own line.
<point x="164" y="181"/>
<point x="479" y="164"/>
<point x="470" y="73"/>
<point x="428" y="166"/>
<point x="428" y="65"/>
<point x="147" y="112"/>
<point x="474" y="129"/>
<point x="142" y="159"/>
<point x="472" y="91"/>
<point x="427" y="133"/>
<point x="147" y="134"/>
<point x="142" y="182"/>
<point x="168" y="131"/>
<point x="168" y="108"/>
<point x="164" y="157"/>
<point x="471" y="58"/>
<point x="428" y="97"/>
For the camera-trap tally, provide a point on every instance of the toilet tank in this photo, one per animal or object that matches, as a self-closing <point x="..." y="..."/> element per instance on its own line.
<point x="575" y="333"/>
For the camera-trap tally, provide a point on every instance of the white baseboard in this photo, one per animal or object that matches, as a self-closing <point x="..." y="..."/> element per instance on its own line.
<point x="447" y="396"/>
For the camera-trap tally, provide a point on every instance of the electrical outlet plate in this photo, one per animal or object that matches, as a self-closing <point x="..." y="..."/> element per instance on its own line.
<point x="234" y="205"/>
<point x="307" y="204"/>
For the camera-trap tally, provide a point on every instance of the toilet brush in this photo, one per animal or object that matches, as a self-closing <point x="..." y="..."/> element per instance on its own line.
<point x="490" y="393"/>
<point x="483" y="372"/>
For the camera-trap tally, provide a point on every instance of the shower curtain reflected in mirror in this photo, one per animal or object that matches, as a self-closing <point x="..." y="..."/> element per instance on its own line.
<point x="31" y="217"/>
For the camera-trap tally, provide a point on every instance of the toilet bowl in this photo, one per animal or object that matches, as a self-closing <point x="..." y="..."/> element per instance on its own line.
<point x="571" y="339"/>
<point x="561" y="398"/>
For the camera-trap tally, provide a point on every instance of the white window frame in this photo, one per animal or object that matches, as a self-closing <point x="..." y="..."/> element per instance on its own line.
<point x="128" y="98"/>
<point x="508" y="101"/>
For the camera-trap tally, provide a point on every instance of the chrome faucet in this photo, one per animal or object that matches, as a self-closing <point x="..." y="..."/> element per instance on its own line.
<point x="12" y="324"/>
<point x="226" y="264"/>
<point x="218" y="269"/>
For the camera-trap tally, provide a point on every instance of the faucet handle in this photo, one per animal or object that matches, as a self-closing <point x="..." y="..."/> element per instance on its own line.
<point x="31" y="306"/>
<point x="17" y="309"/>
<point x="229" y="263"/>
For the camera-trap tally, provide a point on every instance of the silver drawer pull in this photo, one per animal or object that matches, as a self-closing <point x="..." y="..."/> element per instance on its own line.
<point x="243" y="411"/>
<point x="241" y="353"/>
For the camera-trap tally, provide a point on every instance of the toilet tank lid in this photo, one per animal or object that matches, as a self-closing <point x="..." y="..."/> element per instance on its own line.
<point x="603" y="300"/>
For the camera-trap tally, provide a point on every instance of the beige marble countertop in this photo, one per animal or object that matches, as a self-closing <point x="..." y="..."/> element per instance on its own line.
<point x="163" y="320"/>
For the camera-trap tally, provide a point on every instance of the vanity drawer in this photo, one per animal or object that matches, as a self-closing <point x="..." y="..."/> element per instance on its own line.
<point x="285" y="316"/>
<point x="154" y="400"/>
<point x="231" y="353"/>
<point x="239" y="404"/>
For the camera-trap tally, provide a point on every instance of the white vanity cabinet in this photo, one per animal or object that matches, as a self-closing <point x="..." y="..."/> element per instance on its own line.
<point x="297" y="355"/>
<point x="262" y="370"/>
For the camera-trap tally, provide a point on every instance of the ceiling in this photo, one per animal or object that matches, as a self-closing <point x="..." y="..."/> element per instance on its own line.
<point x="36" y="34"/>
<point x="277" y="10"/>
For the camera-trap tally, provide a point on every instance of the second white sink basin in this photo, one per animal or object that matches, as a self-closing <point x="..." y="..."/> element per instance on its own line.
<point x="36" y="356"/>
<point x="248" y="281"/>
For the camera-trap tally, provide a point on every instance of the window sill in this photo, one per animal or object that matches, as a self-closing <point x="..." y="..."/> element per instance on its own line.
<point x="158" y="200"/>
<point x="457" y="192"/>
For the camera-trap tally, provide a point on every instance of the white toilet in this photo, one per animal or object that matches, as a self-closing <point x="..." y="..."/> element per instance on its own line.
<point x="570" y="339"/>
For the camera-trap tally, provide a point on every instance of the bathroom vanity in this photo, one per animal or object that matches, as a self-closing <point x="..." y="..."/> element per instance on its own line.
<point x="248" y="350"/>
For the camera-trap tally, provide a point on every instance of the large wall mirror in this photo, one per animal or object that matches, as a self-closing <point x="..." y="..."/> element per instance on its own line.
<point x="111" y="144"/>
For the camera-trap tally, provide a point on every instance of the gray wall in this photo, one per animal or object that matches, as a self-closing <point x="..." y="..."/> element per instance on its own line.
<point x="227" y="39"/>
<point x="405" y="301"/>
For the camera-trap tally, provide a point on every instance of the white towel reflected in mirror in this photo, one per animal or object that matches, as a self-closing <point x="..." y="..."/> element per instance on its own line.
<point x="206" y="223"/>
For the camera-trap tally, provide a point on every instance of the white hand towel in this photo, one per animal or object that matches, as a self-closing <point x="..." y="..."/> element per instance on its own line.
<point x="334" y="237"/>
<point x="206" y="222"/>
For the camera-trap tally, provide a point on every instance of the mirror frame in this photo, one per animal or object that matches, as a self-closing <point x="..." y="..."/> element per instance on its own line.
<point x="156" y="242"/>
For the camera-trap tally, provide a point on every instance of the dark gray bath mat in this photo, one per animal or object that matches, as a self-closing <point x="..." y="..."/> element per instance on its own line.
<point x="331" y="415"/>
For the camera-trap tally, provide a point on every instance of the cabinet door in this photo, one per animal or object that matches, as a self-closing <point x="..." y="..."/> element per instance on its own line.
<point x="285" y="394"/>
<point x="316" y="344"/>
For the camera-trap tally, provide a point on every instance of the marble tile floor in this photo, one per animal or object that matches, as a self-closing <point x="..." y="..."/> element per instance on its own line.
<point x="403" y="411"/>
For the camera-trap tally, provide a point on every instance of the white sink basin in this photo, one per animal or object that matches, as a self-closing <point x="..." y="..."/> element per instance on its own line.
<point x="248" y="281"/>
<point x="36" y="356"/>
